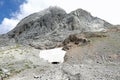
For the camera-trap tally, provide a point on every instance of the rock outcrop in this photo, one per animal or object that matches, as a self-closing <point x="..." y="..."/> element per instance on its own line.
<point x="51" y="26"/>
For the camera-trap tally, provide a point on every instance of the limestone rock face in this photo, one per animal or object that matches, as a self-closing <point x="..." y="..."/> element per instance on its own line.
<point x="5" y="40"/>
<point x="51" y="26"/>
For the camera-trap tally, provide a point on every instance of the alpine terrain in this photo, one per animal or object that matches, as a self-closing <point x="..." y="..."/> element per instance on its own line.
<point x="55" y="45"/>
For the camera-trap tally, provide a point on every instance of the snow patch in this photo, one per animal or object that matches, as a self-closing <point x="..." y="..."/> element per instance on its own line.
<point x="53" y="55"/>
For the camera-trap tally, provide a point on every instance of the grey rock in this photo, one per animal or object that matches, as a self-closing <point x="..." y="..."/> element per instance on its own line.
<point x="6" y="41"/>
<point x="54" y="24"/>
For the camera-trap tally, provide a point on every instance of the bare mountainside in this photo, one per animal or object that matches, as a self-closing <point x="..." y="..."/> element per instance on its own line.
<point x="51" y="26"/>
<point x="92" y="47"/>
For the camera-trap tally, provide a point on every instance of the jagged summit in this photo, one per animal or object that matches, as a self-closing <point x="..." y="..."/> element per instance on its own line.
<point x="54" y="25"/>
<point x="51" y="10"/>
<point x="82" y="13"/>
<point x="40" y="22"/>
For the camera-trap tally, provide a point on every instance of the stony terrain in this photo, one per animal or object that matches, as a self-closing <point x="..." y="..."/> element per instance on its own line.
<point x="48" y="28"/>
<point x="91" y="44"/>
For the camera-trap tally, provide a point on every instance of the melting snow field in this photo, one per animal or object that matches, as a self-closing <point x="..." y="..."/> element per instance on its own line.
<point x="53" y="55"/>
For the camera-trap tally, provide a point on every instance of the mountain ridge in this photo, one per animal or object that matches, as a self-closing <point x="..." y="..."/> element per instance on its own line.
<point x="55" y="21"/>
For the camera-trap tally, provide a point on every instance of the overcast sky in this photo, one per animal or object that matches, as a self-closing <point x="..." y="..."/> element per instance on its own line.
<point x="12" y="11"/>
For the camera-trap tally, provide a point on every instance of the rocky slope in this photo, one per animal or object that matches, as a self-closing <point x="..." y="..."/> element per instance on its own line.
<point x="92" y="45"/>
<point x="51" y="26"/>
<point x="94" y="60"/>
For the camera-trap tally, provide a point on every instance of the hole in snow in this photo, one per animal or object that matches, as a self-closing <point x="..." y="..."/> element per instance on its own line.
<point x="55" y="62"/>
<point x="54" y="56"/>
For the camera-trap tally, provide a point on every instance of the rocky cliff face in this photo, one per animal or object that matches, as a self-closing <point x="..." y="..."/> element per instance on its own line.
<point x="51" y="26"/>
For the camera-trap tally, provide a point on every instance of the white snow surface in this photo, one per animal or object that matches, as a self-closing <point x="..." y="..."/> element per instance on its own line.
<point x="53" y="55"/>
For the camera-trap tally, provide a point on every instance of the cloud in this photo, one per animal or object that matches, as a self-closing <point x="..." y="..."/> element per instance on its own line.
<point x="105" y="9"/>
<point x="7" y="25"/>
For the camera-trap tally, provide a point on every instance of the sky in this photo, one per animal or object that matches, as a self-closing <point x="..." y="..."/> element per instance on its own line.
<point x="12" y="11"/>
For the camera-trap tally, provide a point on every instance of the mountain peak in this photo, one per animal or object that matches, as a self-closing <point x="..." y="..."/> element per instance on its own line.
<point x="80" y="12"/>
<point x="55" y="25"/>
<point x="51" y="10"/>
